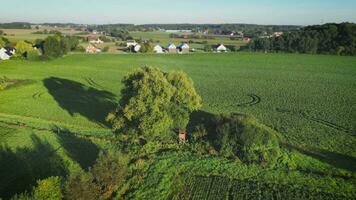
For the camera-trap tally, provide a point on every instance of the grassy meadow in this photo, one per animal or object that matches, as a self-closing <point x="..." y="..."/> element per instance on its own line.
<point x="308" y="99"/>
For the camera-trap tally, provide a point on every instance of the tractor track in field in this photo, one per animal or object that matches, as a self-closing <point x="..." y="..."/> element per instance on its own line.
<point x="318" y="120"/>
<point x="254" y="101"/>
<point x="92" y="83"/>
<point x="38" y="95"/>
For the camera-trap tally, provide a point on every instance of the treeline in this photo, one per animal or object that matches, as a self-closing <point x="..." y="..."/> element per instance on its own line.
<point x="339" y="39"/>
<point x="43" y="49"/>
<point x="222" y="28"/>
<point x="15" y="25"/>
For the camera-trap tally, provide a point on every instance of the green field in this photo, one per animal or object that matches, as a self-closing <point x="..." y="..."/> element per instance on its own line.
<point x="308" y="99"/>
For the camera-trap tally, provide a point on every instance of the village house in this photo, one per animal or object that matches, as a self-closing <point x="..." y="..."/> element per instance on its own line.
<point x="172" y="48"/>
<point x="6" y="53"/>
<point x="183" y="48"/>
<point x="158" y="49"/>
<point x="91" y="48"/>
<point x="137" y="48"/>
<point x="95" y="40"/>
<point x="130" y="43"/>
<point x="220" y="48"/>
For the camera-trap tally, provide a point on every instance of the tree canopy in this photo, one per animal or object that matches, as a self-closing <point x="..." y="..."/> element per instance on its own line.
<point x="22" y="48"/>
<point x="337" y="39"/>
<point x="154" y="102"/>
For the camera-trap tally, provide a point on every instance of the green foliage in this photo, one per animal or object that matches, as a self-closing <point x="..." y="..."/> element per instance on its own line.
<point x="339" y="39"/>
<point x="53" y="47"/>
<point x="2" y="43"/>
<point x="106" y="49"/>
<point x="146" y="47"/>
<point x="22" y="48"/>
<point x="153" y="102"/>
<point x="81" y="186"/>
<point x="50" y="188"/>
<point x="242" y="136"/>
<point x="110" y="172"/>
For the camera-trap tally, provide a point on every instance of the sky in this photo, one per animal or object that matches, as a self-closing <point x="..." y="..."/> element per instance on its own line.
<point x="279" y="12"/>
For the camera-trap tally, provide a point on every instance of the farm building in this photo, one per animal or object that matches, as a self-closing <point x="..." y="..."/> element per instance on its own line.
<point x="183" y="48"/>
<point x="137" y="48"/>
<point x="92" y="49"/>
<point x="130" y="43"/>
<point x="158" y="49"/>
<point x="220" y="48"/>
<point x="172" y="48"/>
<point x="95" y="40"/>
<point x="6" y="53"/>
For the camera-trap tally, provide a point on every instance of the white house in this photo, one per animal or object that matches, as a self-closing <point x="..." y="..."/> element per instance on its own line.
<point x="220" y="48"/>
<point x="137" y="48"/>
<point x="130" y="43"/>
<point x="158" y="49"/>
<point x="183" y="48"/>
<point x="3" y="54"/>
<point x="172" y="48"/>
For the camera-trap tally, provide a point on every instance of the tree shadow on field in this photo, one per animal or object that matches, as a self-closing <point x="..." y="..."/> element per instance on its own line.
<point x="75" y="97"/>
<point x="335" y="159"/>
<point x="20" y="168"/>
<point x="81" y="150"/>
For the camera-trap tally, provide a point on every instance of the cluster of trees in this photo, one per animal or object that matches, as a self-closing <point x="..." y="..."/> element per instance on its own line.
<point x="57" y="45"/>
<point x="106" y="176"/>
<point x="190" y="36"/>
<point x="224" y="29"/>
<point x="337" y="39"/>
<point x="153" y="103"/>
<point x="15" y="25"/>
<point x="47" y="32"/>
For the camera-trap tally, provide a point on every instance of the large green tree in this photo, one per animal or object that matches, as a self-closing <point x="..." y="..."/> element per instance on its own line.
<point x="154" y="102"/>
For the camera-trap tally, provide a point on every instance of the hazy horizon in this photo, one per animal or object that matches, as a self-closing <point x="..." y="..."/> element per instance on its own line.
<point x="262" y="12"/>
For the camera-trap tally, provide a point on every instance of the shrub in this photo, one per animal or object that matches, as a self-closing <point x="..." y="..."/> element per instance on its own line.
<point x="106" y="49"/>
<point x="242" y="136"/>
<point x="109" y="172"/>
<point x="81" y="186"/>
<point x="50" y="188"/>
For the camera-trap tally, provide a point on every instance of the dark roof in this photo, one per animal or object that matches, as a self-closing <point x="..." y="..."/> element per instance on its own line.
<point x="9" y="50"/>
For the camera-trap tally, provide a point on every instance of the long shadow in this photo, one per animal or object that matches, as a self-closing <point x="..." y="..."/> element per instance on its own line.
<point x="75" y="97"/>
<point x="22" y="167"/>
<point x="81" y="150"/>
<point x="336" y="159"/>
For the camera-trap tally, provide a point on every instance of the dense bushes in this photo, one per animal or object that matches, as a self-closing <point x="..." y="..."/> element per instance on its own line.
<point x="337" y="39"/>
<point x="105" y="177"/>
<point x="238" y="136"/>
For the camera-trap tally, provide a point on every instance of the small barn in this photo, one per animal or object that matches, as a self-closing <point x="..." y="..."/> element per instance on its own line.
<point x="158" y="49"/>
<point x="131" y="43"/>
<point x="92" y="49"/>
<point x="172" y="48"/>
<point x="220" y="48"/>
<point x="183" y="48"/>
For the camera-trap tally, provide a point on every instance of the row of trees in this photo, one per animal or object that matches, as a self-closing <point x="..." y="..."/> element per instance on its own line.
<point x="337" y="39"/>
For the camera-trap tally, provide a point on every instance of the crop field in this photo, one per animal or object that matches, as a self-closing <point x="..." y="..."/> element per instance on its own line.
<point x="27" y="34"/>
<point x="213" y="188"/>
<point x="308" y="99"/>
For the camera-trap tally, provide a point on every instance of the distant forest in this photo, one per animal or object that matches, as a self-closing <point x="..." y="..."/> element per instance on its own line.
<point x="212" y="28"/>
<point x="332" y="38"/>
<point x="15" y="25"/>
